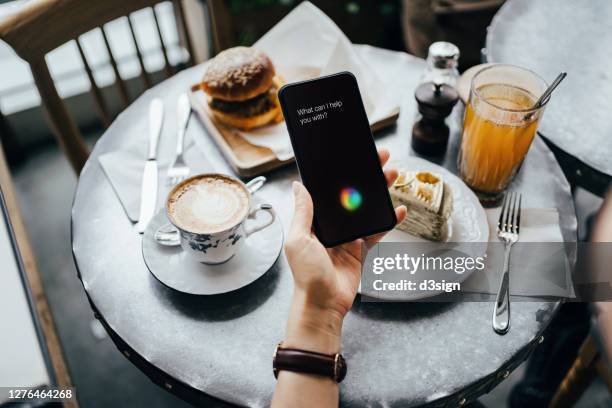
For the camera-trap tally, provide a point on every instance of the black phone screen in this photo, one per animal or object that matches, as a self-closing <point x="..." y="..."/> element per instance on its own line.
<point x="337" y="158"/>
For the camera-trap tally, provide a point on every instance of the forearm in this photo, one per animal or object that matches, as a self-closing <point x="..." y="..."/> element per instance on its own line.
<point x="312" y="330"/>
<point x="302" y="390"/>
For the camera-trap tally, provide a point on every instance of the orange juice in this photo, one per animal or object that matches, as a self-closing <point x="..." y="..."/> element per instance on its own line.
<point x="496" y="136"/>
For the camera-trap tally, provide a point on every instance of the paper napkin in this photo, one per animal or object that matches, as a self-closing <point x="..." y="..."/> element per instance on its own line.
<point x="306" y="44"/>
<point x="124" y="169"/>
<point x="538" y="265"/>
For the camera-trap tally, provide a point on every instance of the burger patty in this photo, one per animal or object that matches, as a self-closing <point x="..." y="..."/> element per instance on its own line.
<point x="250" y="107"/>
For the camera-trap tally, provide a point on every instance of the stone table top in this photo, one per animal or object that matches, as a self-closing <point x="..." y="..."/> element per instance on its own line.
<point x="550" y="36"/>
<point x="398" y="354"/>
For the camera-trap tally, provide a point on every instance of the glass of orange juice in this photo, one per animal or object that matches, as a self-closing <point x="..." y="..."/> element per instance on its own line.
<point x="498" y="128"/>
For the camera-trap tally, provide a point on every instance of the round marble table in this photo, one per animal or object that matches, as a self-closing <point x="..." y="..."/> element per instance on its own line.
<point x="221" y="346"/>
<point x="550" y="36"/>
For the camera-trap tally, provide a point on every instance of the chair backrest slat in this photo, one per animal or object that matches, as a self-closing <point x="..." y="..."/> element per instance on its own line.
<point x="61" y="20"/>
<point x="221" y="25"/>
<point x="66" y="130"/>
<point x="121" y="87"/>
<point x="95" y="90"/>
<point x="179" y="11"/>
<point x="144" y="75"/>
<point x="167" y="66"/>
<point x="41" y="26"/>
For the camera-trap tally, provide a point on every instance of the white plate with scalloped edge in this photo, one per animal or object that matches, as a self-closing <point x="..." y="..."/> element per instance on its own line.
<point x="467" y="223"/>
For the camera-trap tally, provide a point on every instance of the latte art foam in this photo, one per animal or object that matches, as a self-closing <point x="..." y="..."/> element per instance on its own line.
<point x="208" y="204"/>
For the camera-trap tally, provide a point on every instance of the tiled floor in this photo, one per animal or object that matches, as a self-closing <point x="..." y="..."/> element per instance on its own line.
<point x="103" y="377"/>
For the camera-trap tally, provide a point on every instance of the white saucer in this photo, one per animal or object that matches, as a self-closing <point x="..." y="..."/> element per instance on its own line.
<point x="172" y="267"/>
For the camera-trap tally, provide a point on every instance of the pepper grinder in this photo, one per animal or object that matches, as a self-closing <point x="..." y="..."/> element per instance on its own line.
<point x="430" y="132"/>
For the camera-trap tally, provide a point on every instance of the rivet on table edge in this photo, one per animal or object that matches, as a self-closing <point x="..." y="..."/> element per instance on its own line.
<point x="506" y="374"/>
<point x="126" y="353"/>
<point x="168" y="386"/>
<point x="462" y="402"/>
<point x="541" y="340"/>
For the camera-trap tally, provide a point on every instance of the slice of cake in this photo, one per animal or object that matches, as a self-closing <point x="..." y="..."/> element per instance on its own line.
<point x="429" y="201"/>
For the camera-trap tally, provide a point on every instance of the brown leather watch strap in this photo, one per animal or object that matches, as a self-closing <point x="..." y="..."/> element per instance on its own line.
<point x="309" y="362"/>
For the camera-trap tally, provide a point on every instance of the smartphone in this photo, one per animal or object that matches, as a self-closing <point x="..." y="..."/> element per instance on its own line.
<point x="337" y="158"/>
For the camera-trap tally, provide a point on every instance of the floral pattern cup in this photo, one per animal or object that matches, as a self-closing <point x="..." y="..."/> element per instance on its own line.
<point x="218" y="247"/>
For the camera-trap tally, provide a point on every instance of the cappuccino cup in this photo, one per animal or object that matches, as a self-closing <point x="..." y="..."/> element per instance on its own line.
<point x="211" y="216"/>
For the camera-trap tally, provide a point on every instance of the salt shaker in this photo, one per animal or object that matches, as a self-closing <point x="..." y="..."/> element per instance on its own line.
<point x="430" y="132"/>
<point x="442" y="62"/>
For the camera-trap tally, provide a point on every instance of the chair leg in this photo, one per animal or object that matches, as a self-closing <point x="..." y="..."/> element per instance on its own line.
<point x="579" y="377"/>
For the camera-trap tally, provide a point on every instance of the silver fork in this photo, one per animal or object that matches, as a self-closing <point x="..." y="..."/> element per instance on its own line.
<point x="178" y="170"/>
<point x="508" y="232"/>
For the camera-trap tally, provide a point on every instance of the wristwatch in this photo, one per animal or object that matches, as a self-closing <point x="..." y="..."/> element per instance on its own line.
<point x="308" y="362"/>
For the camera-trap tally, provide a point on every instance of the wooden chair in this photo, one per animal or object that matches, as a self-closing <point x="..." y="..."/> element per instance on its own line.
<point x="43" y="25"/>
<point x="588" y="365"/>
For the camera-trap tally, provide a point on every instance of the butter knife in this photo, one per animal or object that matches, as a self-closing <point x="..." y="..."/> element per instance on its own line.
<point x="148" y="193"/>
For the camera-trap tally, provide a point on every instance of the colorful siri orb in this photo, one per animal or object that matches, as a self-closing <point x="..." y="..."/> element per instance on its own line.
<point x="350" y="198"/>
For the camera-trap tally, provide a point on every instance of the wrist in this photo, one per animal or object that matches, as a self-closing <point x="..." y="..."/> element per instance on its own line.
<point x="312" y="328"/>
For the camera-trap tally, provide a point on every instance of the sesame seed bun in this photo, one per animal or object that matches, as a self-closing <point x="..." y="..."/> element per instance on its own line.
<point x="238" y="74"/>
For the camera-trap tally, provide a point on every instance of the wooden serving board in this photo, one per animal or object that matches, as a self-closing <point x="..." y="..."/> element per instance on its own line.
<point x="249" y="160"/>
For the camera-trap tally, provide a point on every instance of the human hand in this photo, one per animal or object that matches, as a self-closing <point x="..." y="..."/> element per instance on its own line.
<point x="326" y="279"/>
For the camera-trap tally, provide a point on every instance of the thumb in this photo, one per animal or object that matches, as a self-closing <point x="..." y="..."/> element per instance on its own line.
<point x="302" y="210"/>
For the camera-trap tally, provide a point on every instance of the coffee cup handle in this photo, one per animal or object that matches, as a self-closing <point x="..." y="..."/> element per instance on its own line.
<point x="253" y="214"/>
<point x="255" y="184"/>
<point x="167" y="235"/>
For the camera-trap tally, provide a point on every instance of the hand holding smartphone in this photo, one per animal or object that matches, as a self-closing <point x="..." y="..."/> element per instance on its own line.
<point x="337" y="158"/>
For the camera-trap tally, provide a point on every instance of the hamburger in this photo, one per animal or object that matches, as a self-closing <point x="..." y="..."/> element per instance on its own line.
<point x="242" y="88"/>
